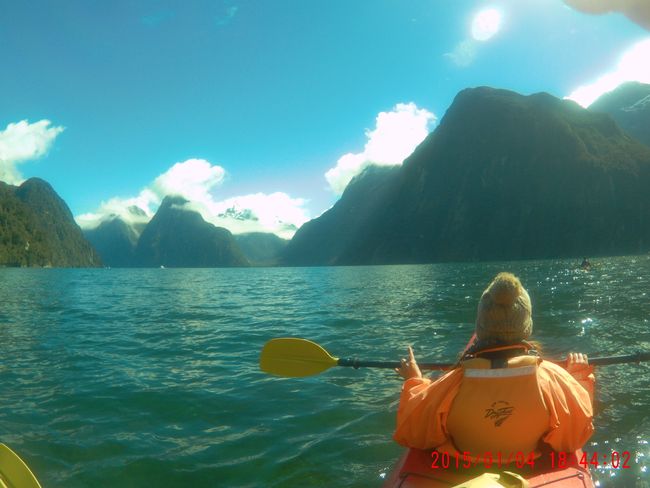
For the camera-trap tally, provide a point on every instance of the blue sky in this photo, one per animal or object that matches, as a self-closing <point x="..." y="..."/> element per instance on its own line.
<point x="249" y="104"/>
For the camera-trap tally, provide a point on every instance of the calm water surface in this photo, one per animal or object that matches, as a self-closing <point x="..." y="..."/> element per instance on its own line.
<point x="138" y="378"/>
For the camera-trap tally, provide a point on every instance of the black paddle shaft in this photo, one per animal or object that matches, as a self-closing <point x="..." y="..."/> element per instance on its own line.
<point x="357" y="363"/>
<point x="598" y="361"/>
<point x="637" y="357"/>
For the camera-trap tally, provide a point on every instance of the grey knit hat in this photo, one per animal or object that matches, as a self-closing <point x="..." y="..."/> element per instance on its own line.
<point x="504" y="311"/>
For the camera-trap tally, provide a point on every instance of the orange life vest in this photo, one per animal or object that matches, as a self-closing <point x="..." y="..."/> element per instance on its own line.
<point x="499" y="411"/>
<point x="476" y="408"/>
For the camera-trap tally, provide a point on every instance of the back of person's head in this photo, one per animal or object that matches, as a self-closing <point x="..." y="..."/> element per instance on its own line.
<point x="504" y="311"/>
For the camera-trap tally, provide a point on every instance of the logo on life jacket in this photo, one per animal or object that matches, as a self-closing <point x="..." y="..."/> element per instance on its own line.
<point x="499" y="412"/>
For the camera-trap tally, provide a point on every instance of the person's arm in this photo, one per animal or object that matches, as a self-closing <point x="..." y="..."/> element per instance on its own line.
<point x="569" y="407"/>
<point x="423" y="406"/>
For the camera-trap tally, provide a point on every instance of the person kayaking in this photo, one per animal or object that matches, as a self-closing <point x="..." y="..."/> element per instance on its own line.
<point x="502" y="398"/>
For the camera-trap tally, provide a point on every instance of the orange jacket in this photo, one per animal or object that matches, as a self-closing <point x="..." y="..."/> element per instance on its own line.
<point x="477" y="409"/>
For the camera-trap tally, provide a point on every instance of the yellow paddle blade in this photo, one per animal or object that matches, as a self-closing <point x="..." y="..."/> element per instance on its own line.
<point x="14" y="473"/>
<point x="295" y="358"/>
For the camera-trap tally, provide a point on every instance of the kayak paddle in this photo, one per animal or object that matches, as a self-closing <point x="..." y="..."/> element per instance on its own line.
<point x="14" y="472"/>
<point x="293" y="357"/>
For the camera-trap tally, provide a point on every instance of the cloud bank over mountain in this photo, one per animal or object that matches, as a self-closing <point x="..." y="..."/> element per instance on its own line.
<point x="197" y="180"/>
<point x="396" y="135"/>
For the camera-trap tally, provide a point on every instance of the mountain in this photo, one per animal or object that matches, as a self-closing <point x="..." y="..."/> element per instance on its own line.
<point x="260" y="248"/>
<point x="629" y="106"/>
<point x="324" y="240"/>
<point x="115" y="241"/>
<point x="37" y="229"/>
<point x="178" y="237"/>
<point x="504" y="176"/>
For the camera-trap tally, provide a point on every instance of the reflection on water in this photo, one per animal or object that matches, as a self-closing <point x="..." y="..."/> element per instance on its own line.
<point x="141" y="377"/>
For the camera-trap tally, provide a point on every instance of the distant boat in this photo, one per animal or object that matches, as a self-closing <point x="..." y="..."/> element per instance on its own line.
<point x="162" y="267"/>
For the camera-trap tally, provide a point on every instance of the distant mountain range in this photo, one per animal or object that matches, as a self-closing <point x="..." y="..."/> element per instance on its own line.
<point x="629" y="106"/>
<point x="504" y="176"/>
<point x="179" y="237"/>
<point x="37" y="229"/>
<point x="260" y="248"/>
<point x="176" y="237"/>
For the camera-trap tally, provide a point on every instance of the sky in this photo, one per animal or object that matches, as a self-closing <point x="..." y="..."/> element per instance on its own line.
<point x="261" y="111"/>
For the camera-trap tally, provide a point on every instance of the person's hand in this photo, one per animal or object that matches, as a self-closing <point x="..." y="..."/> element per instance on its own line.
<point x="409" y="368"/>
<point x="577" y="362"/>
<point x="578" y="366"/>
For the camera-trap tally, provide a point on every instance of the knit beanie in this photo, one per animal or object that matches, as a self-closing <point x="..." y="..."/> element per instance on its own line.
<point x="504" y="311"/>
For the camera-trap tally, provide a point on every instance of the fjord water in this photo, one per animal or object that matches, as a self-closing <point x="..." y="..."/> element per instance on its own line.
<point x="149" y="377"/>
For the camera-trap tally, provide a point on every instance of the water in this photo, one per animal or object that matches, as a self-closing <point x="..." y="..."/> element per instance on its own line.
<point x="139" y="378"/>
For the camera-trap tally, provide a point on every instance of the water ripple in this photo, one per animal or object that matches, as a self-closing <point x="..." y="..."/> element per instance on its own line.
<point x="143" y="377"/>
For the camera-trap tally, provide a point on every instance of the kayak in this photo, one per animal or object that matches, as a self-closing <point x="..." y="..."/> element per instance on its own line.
<point x="14" y="473"/>
<point x="415" y="469"/>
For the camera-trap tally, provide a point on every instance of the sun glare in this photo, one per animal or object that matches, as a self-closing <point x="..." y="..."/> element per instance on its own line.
<point x="486" y="24"/>
<point x="633" y="66"/>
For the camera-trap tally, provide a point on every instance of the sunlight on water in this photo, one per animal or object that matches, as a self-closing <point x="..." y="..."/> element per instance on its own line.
<point x="150" y="377"/>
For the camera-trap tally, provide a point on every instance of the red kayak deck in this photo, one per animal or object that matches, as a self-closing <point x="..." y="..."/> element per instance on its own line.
<point x="414" y="470"/>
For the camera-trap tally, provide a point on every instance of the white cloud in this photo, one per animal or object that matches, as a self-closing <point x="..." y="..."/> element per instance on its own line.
<point x="21" y="142"/>
<point x="136" y="210"/>
<point x="395" y="137"/>
<point x="276" y="213"/>
<point x="634" y="65"/>
<point x="196" y="180"/>
<point x="193" y="179"/>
